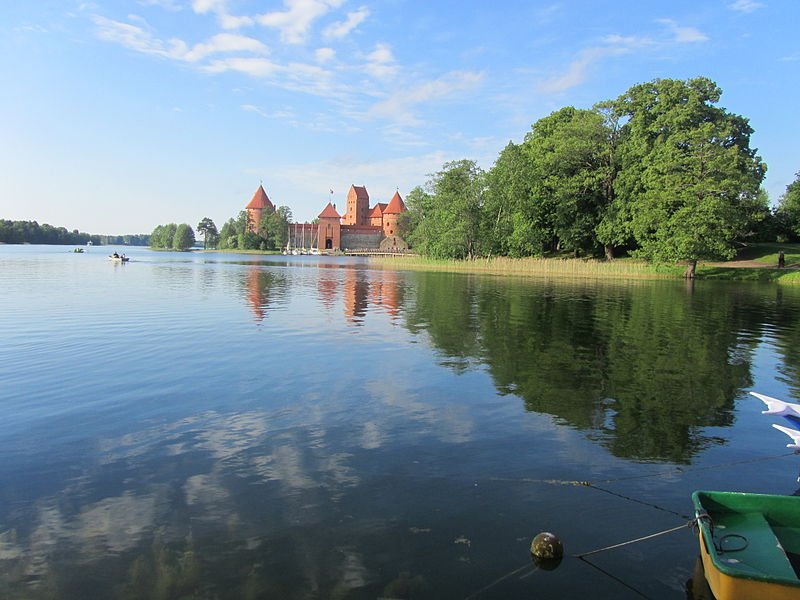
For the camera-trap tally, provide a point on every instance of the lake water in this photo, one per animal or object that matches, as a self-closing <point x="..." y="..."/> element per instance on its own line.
<point x="232" y="426"/>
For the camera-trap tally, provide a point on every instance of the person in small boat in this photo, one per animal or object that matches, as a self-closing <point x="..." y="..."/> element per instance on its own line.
<point x="115" y="255"/>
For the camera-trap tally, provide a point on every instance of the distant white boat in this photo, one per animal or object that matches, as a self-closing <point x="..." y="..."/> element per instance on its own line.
<point x="303" y="249"/>
<point x="288" y="250"/>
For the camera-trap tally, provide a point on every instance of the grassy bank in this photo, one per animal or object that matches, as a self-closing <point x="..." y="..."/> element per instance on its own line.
<point x="625" y="268"/>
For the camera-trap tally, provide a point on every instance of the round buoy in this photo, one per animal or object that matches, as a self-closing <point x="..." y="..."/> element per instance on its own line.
<point x="546" y="546"/>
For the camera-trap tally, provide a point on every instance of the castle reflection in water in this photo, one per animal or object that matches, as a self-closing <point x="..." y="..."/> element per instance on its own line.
<point x="356" y="290"/>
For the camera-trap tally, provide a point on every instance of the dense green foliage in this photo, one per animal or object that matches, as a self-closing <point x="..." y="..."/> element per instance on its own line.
<point x="788" y="212"/>
<point x="660" y="172"/>
<point x="30" y="232"/>
<point x="271" y="233"/>
<point x="449" y="217"/>
<point x="184" y="237"/>
<point x="172" y="237"/>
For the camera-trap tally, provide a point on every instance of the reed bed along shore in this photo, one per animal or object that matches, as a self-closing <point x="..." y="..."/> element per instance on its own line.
<point x="578" y="268"/>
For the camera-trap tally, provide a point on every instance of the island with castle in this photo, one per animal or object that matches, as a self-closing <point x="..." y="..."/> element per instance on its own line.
<point x="361" y="228"/>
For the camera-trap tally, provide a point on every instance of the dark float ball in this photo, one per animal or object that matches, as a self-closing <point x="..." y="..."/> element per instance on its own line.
<point x="547" y="550"/>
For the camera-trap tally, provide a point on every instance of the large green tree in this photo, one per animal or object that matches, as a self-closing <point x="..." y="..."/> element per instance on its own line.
<point x="210" y="234"/>
<point x="274" y="228"/>
<point x="163" y="236"/>
<point x="572" y="169"/>
<point x="449" y="214"/>
<point x="513" y="224"/>
<point x="689" y="180"/>
<point x="183" y="238"/>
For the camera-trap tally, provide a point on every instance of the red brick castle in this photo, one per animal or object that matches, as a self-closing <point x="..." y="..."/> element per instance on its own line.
<point x="361" y="227"/>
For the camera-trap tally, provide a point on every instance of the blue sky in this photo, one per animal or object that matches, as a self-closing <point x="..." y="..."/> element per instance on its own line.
<point x="119" y="116"/>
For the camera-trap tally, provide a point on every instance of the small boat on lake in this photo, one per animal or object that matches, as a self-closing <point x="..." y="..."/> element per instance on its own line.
<point x="121" y="258"/>
<point x="78" y="250"/>
<point x="749" y="544"/>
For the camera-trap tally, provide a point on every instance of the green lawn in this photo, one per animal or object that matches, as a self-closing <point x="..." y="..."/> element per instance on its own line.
<point x="767" y="253"/>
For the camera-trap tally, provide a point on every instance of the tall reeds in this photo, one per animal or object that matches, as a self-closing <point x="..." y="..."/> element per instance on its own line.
<point x="539" y="267"/>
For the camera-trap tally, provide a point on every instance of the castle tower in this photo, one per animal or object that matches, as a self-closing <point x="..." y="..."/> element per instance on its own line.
<point x="256" y="207"/>
<point x="329" y="236"/>
<point x="391" y="215"/>
<point x="357" y="206"/>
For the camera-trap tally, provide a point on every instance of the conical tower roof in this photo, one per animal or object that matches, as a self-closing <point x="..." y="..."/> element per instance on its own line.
<point x="329" y="212"/>
<point x="260" y="199"/>
<point x="396" y="205"/>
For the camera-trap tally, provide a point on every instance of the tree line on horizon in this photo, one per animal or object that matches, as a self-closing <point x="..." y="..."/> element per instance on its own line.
<point x="660" y="173"/>
<point x="172" y="237"/>
<point x="31" y="232"/>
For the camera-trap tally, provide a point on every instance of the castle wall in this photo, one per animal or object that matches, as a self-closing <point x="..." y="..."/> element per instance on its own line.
<point x="360" y="237"/>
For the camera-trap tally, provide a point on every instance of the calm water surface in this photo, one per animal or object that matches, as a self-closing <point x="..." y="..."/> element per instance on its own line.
<point x="226" y="426"/>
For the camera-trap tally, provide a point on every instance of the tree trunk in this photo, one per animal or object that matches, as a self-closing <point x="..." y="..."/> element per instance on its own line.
<point x="609" y="250"/>
<point x="691" y="268"/>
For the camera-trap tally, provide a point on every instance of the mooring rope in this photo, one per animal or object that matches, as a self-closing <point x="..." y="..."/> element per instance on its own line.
<point x="635" y="540"/>
<point x="675" y="471"/>
<point x="615" y="578"/>
<point x="582" y="556"/>
<point x="637" y="501"/>
<point x="500" y="580"/>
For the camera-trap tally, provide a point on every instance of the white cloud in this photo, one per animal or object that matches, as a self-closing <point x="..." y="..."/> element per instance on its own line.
<point x="547" y="14"/>
<point x="296" y="20"/>
<point x="341" y="29"/>
<point x="307" y="179"/>
<point x="280" y="114"/>
<point x="616" y="45"/>
<point x="252" y="66"/>
<point x="381" y="63"/>
<point x="224" y="42"/>
<point x="227" y="21"/>
<point x="133" y="37"/>
<point x="683" y="35"/>
<point x="746" y="6"/>
<point x="173" y="5"/>
<point x="577" y="70"/>
<point x="324" y="55"/>
<point x="220" y="9"/>
<point x="140" y="39"/>
<point x="401" y="104"/>
<point x="202" y="7"/>
<point x="629" y="41"/>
